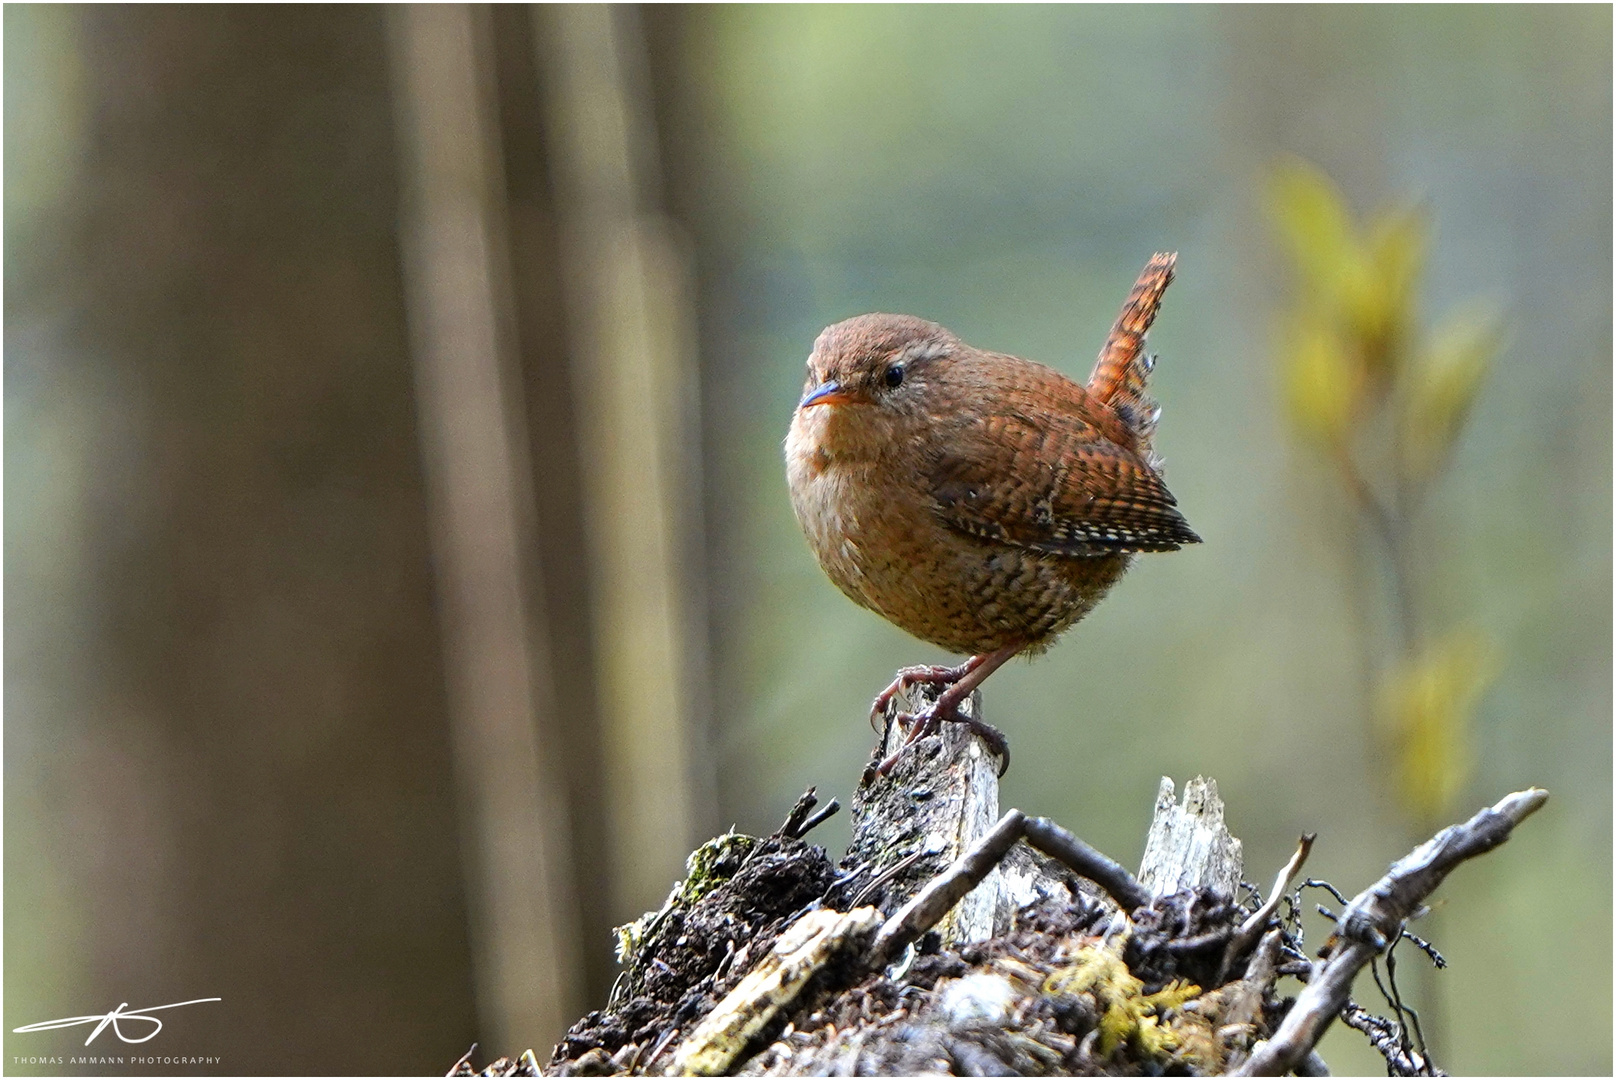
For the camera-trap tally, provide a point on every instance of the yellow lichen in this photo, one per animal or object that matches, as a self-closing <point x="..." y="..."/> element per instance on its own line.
<point x="1130" y="1016"/>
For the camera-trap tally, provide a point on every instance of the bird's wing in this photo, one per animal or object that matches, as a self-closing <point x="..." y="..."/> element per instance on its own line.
<point x="1052" y="482"/>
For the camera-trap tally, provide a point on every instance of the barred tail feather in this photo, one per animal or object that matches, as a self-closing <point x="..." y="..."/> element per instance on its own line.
<point x="1120" y="375"/>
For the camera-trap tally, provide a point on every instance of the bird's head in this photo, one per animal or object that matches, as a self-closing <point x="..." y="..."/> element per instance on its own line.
<point x="870" y="374"/>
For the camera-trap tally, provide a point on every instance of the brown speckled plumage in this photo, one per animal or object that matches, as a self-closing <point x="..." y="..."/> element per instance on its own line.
<point x="981" y="502"/>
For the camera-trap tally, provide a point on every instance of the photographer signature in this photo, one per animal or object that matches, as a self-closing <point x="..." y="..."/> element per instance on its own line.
<point x="112" y="1019"/>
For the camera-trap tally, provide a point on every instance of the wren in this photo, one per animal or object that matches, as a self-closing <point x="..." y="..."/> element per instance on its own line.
<point x="981" y="502"/>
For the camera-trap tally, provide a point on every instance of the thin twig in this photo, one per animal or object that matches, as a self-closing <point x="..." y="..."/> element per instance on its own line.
<point x="1405" y="1016"/>
<point x="945" y="890"/>
<point x="1391" y="530"/>
<point x="1317" y="883"/>
<point x="1197" y="943"/>
<point x="1403" y="1009"/>
<point x="885" y="876"/>
<point x="1103" y="870"/>
<point x="662" y="1044"/>
<point x="1257" y="921"/>
<point x="819" y="817"/>
<point x="795" y="823"/>
<point x="1370" y="923"/>
<point x="464" y="1062"/>
<point x="1386" y="1037"/>
<point x="1436" y="958"/>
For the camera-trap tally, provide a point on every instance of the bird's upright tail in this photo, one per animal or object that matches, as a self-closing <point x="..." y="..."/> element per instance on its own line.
<point x="1123" y="370"/>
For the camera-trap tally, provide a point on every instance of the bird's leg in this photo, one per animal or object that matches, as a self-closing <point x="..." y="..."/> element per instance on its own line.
<point x="946" y="707"/>
<point x="919" y="675"/>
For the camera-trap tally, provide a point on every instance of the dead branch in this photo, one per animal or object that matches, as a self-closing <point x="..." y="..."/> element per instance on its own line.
<point x="947" y="889"/>
<point x="1387" y="1039"/>
<point x="1375" y="918"/>
<point x="802" y="819"/>
<point x="1103" y="870"/>
<point x="1258" y="922"/>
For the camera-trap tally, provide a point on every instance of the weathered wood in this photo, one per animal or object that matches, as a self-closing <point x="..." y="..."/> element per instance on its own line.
<point x="1189" y="846"/>
<point x="940" y="799"/>
<point x="945" y="892"/>
<point x="814" y="941"/>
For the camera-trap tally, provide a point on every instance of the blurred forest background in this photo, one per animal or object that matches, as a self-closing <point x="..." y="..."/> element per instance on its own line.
<point x="400" y="576"/>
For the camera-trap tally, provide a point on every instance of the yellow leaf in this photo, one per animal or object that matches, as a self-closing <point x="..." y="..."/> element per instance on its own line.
<point x="1426" y="709"/>
<point x="1397" y="245"/>
<point x="1443" y="386"/>
<point x="1381" y="303"/>
<point x="1323" y="386"/>
<point x="1313" y="220"/>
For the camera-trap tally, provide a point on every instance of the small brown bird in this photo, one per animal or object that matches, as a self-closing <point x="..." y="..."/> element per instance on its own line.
<point x="981" y="502"/>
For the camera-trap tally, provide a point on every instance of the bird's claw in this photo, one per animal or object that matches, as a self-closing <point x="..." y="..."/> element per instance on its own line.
<point x="919" y="675"/>
<point x="930" y="719"/>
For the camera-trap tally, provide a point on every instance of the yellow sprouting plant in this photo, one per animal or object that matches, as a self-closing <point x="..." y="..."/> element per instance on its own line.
<point x="1385" y="405"/>
<point x="1425" y="708"/>
<point x="1323" y="387"/>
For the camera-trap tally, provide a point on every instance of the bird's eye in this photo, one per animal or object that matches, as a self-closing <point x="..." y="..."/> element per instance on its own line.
<point x="893" y="375"/>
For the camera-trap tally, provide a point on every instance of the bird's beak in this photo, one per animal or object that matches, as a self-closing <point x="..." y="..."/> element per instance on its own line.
<point x="826" y="393"/>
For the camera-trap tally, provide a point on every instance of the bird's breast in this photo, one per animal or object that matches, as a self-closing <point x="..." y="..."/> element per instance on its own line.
<point x="832" y="500"/>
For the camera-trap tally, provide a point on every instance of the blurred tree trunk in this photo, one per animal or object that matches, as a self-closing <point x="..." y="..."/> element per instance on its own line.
<point x="225" y="747"/>
<point x="250" y="705"/>
<point x="571" y="290"/>
<point x="510" y="769"/>
<point x="629" y="330"/>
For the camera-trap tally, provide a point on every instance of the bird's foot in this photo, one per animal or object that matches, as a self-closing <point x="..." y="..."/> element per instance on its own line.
<point x="928" y="720"/>
<point x="919" y="675"/>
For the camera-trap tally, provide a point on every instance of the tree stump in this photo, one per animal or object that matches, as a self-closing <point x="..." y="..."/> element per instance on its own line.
<point x="952" y="939"/>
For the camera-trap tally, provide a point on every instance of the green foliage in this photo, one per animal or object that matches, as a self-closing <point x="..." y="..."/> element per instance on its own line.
<point x="1386" y="406"/>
